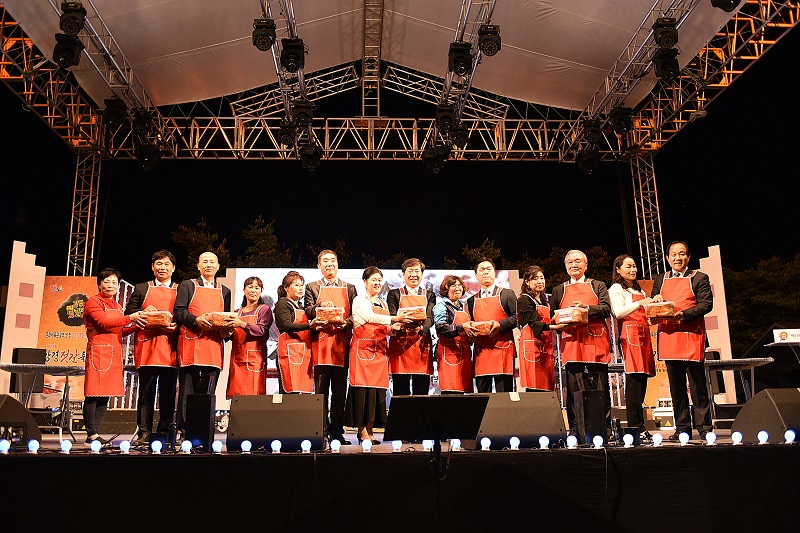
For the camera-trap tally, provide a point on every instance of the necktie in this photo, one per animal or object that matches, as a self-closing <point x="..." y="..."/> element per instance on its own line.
<point x="677" y="274"/>
<point x="485" y="294"/>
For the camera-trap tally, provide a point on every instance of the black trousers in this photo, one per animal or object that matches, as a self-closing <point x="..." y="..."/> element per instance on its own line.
<point x="194" y="379"/>
<point x="163" y="379"/>
<point x="94" y="411"/>
<point x="677" y="373"/>
<point x="331" y="382"/>
<point x="408" y="384"/>
<point x="502" y="383"/>
<point x="635" y="389"/>
<point x="576" y="379"/>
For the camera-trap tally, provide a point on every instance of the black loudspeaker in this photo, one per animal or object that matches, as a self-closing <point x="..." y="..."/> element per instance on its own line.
<point x="119" y="421"/>
<point x="201" y="420"/>
<point x="526" y="415"/>
<point x="289" y="418"/>
<point x="771" y="410"/>
<point x="16" y="423"/>
<point x="21" y="382"/>
<point x="590" y="415"/>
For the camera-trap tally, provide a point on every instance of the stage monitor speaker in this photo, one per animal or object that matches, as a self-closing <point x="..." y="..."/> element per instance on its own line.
<point x="17" y="425"/>
<point x="289" y="418"/>
<point x="201" y="420"/>
<point x="21" y="382"/>
<point x="771" y="410"/>
<point x="526" y="415"/>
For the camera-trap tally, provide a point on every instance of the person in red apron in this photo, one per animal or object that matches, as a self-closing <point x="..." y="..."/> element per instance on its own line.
<point x="453" y="348"/>
<point x="536" y="364"/>
<point x="369" y="362"/>
<point x="495" y="351"/>
<point x="200" y="344"/>
<point x="106" y="325"/>
<point x="627" y="301"/>
<point x="247" y="372"/>
<point x="410" y="348"/>
<point x="682" y="339"/>
<point x="330" y="345"/>
<point x="585" y="348"/>
<point x="155" y="350"/>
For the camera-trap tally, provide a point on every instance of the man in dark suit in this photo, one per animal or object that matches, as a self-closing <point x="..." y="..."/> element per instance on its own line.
<point x="682" y="339"/>
<point x="330" y="346"/>
<point x="155" y="350"/>
<point x="585" y="347"/>
<point x="200" y="344"/>
<point x="493" y="350"/>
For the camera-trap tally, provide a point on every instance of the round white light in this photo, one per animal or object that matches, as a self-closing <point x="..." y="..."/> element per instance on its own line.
<point x="305" y="446"/>
<point x="4" y="445"/>
<point x="628" y="440"/>
<point x="486" y="443"/>
<point x="397" y="445"/>
<point x="789" y="436"/>
<point x="736" y="437"/>
<point x="125" y="446"/>
<point x="572" y="441"/>
<point x="335" y="445"/>
<point x="763" y="437"/>
<point x="276" y="446"/>
<point x="66" y="446"/>
<point x="216" y="446"/>
<point x="455" y="445"/>
<point x="514" y="442"/>
<point x="711" y="438"/>
<point x="366" y="445"/>
<point x="597" y="440"/>
<point x="658" y="438"/>
<point x="186" y="446"/>
<point x="246" y="446"/>
<point x="683" y="438"/>
<point x="156" y="446"/>
<point x="427" y="444"/>
<point x="95" y="446"/>
<point x="33" y="446"/>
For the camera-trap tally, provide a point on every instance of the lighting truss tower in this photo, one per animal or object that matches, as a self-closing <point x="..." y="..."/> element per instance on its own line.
<point x="371" y="59"/>
<point x="80" y="259"/>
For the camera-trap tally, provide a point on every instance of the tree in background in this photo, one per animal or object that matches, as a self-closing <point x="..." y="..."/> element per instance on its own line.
<point x="194" y="242"/>
<point x="264" y="250"/>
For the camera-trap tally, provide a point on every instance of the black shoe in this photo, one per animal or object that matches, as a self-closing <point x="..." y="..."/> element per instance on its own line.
<point x="343" y="441"/>
<point x="645" y="436"/>
<point x="142" y="440"/>
<point x="90" y="439"/>
<point x="703" y="433"/>
<point x="675" y="437"/>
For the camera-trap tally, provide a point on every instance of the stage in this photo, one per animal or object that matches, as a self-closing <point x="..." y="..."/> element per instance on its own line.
<point x="724" y="487"/>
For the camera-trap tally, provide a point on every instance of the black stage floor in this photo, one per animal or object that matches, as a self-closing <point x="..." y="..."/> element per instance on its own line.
<point x="699" y="487"/>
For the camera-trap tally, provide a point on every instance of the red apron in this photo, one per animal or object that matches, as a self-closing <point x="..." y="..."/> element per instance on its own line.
<point x="411" y="354"/>
<point x="369" y="364"/>
<point x="247" y="374"/>
<point x="454" y="359"/>
<point x="584" y="343"/>
<point x="156" y="347"/>
<point x="677" y="339"/>
<point x="493" y="355"/>
<point x="202" y="347"/>
<point x="104" y="358"/>
<point x="536" y="355"/>
<point x="294" y="358"/>
<point x="634" y="339"/>
<point x="329" y="347"/>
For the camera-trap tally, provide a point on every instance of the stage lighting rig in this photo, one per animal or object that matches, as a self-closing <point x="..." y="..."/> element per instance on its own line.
<point x="592" y="131"/>
<point x="116" y="112"/>
<point x="459" y="136"/>
<point x="665" y="63"/>
<point x="292" y="54"/>
<point x="287" y="133"/>
<point x="622" y="120"/>
<point x="263" y="34"/>
<point x="725" y="5"/>
<point x="460" y="58"/>
<point x="302" y="113"/>
<point x="73" y="17"/>
<point x="143" y="122"/>
<point x="489" y="39"/>
<point x="664" y="32"/>
<point x="311" y="155"/>
<point x="67" y="52"/>
<point x="435" y="157"/>
<point x="147" y="156"/>
<point x="446" y="118"/>
<point x="587" y="160"/>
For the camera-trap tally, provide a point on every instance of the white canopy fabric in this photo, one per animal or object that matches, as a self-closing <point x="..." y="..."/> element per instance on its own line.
<point x="556" y="53"/>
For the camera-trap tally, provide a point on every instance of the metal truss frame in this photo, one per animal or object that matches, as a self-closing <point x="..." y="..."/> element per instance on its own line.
<point x="80" y="259"/>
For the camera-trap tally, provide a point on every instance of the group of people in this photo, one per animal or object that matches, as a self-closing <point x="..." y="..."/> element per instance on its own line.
<point x="346" y="346"/>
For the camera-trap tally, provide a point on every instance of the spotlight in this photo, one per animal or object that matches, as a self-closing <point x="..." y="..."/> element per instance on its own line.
<point x="460" y="136"/>
<point x="592" y="131"/>
<point x="67" y="52"/>
<point x="286" y="133"/>
<point x="622" y="120"/>
<point x="446" y="118"/>
<point x="489" y="39"/>
<point x="292" y="54"/>
<point x="588" y="160"/>
<point x="664" y="32"/>
<point x="666" y="63"/>
<point x="115" y="113"/>
<point x="147" y="156"/>
<point x="263" y="34"/>
<point x="435" y="157"/>
<point x="73" y="17"/>
<point x="311" y="156"/>
<point x="142" y="122"/>
<point x="725" y="5"/>
<point x="460" y="58"/>
<point x="302" y="113"/>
